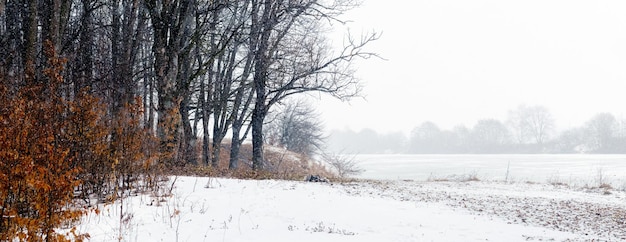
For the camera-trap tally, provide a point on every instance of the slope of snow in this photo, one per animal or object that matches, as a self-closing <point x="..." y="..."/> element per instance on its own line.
<point x="209" y="209"/>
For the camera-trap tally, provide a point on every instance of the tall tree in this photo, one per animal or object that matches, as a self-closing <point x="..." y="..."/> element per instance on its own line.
<point x="229" y="58"/>
<point x="128" y="23"/>
<point x="12" y="41"/>
<point x="168" y="18"/>
<point x="290" y="57"/>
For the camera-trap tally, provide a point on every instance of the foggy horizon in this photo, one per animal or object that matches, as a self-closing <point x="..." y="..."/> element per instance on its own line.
<point x="455" y="62"/>
<point x="526" y="130"/>
<point x="449" y="124"/>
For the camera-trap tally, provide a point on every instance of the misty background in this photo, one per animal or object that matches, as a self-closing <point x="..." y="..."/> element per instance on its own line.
<point x="527" y="130"/>
<point x="476" y="77"/>
<point x="455" y="74"/>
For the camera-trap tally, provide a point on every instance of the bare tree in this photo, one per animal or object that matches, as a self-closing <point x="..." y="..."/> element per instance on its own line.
<point x="541" y="123"/>
<point x="297" y="128"/>
<point x="229" y="73"/>
<point x="290" y="57"/>
<point x="600" y="131"/>
<point x="534" y="123"/>
<point x="518" y="124"/>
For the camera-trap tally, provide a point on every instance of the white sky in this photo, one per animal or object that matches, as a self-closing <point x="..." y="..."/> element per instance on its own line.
<point x="457" y="61"/>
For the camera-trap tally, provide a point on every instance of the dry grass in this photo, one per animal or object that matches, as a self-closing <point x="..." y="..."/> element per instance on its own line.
<point x="280" y="164"/>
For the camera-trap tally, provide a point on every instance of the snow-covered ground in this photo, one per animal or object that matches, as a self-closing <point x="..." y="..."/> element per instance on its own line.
<point x="573" y="169"/>
<point x="209" y="209"/>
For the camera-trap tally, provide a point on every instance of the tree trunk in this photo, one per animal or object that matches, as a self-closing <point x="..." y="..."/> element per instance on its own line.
<point x="13" y="48"/>
<point x="204" y="97"/>
<point x="30" y="44"/>
<point x="167" y="23"/>
<point x="189" y="144"/>
<point x="50" y="21"/>
<point x="83" y="72"/>
<point x="233" y="162"/>
<point x="237" y="141"/>
<point x="205" y="123"/>
<point x="215" y="157"/>
<point x="258" y="115"/>
<point x="168" y="122"/>
<point x="188" y="148"/>
<point x="261" y="30"/>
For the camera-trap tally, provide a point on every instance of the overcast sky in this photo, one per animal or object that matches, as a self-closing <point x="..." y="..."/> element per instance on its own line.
<point x="457" y="61"/>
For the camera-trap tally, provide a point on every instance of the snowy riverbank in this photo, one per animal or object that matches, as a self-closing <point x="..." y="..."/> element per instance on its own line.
<point x="204" y="209"/>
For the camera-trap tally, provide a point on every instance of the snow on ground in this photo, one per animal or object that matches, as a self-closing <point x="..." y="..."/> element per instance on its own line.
<point x="210" y="209"/>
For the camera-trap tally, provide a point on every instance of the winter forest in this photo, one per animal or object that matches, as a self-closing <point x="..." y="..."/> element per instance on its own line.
<point x="103" y="96"/>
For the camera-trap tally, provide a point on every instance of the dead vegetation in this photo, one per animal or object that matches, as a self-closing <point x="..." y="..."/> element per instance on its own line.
<point x="280" y="164"/>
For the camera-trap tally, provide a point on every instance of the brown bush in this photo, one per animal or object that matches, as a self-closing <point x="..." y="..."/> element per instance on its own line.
<point x="54" y="149"/>
<point x="37" y="173"/>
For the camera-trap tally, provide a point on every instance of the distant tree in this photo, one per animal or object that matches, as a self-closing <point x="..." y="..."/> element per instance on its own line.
<point x="620" y="137"/>
<point x="571" y="141"/>
<point x="462" y="139"/>
<point x="601" y="131"/>
<point x="426" y="138"/>
<point x="531" y="124"/>
<point x="489" y="136"/>
<point x="394" y="142"/>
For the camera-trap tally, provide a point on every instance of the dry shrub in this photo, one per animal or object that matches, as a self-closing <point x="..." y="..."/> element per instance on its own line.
<point x="132" y="152"/>
<point x="54" y="148"/>
<point x="344" y="165"/>
<point x="115" y="152"/>
<point x="38" y="173"/>
<point x="280" y="164"/>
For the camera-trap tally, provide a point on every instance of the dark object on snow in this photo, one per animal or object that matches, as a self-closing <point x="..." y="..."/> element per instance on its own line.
<point x="315" y="178"/>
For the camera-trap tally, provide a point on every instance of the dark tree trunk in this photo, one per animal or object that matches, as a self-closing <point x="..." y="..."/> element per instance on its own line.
<point x="168" y="122"/>
<point x="189" y="144"/>
<point x="30" y="43"/>
<point x="215" y="157"/>
<point x="12" y="45"/>
<point x="205" y="122"/>
<point x="235" y="145"/>
<point x="238" y="138"/>
<point x="83" y="70"/>
<point x="258" y="116"/>
<point x="260" y="35"/>
<point x="50" y="18"/>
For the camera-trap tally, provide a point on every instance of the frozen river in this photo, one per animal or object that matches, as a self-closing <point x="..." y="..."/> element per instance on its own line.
<point x="571" y="169"/>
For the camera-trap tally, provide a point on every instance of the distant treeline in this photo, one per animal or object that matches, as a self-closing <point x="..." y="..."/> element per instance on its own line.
<point x="527" y="130"/>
